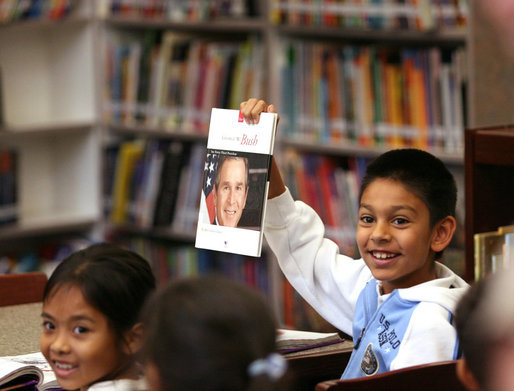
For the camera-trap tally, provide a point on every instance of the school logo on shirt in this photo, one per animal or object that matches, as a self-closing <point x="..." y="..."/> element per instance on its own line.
<point x="369" y="363"/>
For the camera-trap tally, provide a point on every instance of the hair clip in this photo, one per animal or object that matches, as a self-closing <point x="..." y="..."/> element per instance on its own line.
<point x="274" y="366"/>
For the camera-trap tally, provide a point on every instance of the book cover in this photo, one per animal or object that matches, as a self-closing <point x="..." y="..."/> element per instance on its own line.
<point x="27" y="371"/>
<point x="235" y="183"/>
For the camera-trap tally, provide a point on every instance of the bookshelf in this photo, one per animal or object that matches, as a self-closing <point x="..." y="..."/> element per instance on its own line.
<point x="60" y="117"/>
<point x="50" y="120"/>
<point x="489" y="170"/>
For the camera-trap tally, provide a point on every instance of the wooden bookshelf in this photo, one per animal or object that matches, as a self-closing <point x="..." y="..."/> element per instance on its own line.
<point x="489" y="178"/>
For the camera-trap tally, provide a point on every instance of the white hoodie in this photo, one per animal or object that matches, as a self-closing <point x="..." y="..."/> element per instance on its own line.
<point x="332" y="283"/>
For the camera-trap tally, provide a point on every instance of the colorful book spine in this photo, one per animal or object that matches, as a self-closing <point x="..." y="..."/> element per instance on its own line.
<point x="9" y="206"/>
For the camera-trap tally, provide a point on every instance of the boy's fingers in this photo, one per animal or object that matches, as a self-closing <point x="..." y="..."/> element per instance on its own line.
<point x="271" y="109"/>
<point x="252" y="108"/>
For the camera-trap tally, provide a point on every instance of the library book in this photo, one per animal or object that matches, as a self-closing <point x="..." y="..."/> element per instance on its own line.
<point x="235" y="183"/>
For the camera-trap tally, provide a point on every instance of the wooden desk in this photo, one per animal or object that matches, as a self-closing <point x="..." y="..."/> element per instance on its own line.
<point x="309" y="367"/>
<point x="20" y="329"/>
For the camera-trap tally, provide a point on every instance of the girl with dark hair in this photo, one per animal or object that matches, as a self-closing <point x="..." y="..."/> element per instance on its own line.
<point x="211" y="334"/>
<point x="91" y="329"/>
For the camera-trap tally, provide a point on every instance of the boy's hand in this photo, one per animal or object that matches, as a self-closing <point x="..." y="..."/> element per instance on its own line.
<point x="252" y="109"/>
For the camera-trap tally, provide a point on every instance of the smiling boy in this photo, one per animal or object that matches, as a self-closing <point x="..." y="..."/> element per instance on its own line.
<point x="397" y="301"/>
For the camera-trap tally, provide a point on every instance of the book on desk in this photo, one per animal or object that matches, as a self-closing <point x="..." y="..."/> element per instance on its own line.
<point x="27" y="372"/>
<point x="289" y="341"/>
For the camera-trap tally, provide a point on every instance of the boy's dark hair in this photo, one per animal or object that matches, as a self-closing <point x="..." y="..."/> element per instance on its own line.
<point x="474" y="344"/>
<point x="113" y="280"/>
<point x="423" y="174"/>
<point x="202" y="334"/>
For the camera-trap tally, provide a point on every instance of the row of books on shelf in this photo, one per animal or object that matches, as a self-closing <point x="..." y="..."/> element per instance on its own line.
<point x="154" y="183"/>
<point x="182" y="10"/>
<point x="330" y="189"/>
<point x="373" y="95"/>
<point x="494" y="251"/>
<point x="176" y="261"/>
<point x="173" y="80"/>
<point x="416" y="15"/>
<point x="13" y="10"/>
<point x="8" y="186"/>
<point x="151" y="183"/>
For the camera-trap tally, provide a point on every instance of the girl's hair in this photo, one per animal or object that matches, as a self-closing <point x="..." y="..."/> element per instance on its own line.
<point x="423" y="174"/>
<point x="113" y="280"/>
<point x="203" y="333"/>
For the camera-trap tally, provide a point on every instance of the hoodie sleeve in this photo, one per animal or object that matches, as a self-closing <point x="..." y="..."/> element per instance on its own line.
<point x="328" y="281"/>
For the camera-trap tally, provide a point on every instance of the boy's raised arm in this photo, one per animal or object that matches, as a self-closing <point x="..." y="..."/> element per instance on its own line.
<point x="251" y="110"/>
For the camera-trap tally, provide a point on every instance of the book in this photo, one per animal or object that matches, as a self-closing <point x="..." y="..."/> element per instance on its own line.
<point x="188" y="198"/>
<point x="493" y="251"/>
<point x="289" y="341"/>
<point x="2" y="115"/>
<point x="488" y="253"/>
<point x="130" y="152"/>
<point x="169" y="181"/>
<point x="9" y="206"/>
<point x="240" y="155"/>
<point x="27" y="371"/>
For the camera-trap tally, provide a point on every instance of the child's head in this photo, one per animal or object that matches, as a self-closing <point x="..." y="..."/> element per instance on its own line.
<point x="205" y="333"/>
<point x="485" y="323"/>
<point x="406" y="216"/>
<point x="421" y="173"/>
<point x="91" y="306"/>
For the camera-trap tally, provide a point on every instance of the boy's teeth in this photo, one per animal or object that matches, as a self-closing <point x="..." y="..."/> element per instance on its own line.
<point x="382" y="255"/>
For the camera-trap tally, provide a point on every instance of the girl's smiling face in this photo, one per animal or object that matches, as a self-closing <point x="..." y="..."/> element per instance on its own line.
<point x="78" y="341"/>
<point x="394" y="235"/>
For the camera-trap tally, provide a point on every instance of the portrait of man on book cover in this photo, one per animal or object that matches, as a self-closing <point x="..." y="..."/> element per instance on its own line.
<point x="230" y="190"/>
<point x="233" y="188"/>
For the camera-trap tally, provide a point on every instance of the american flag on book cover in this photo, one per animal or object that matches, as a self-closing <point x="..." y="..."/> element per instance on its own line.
<point x="211" y="163"/>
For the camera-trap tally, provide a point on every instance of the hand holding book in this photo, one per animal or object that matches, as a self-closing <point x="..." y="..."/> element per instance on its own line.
<point x="251" y="110"/>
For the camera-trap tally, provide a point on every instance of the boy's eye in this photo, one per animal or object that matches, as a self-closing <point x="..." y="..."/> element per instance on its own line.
<point x="80" y="330"/>
<point x="367" y="219"/>
<point x="48" y="325"/>
<point x="400" y="221"/>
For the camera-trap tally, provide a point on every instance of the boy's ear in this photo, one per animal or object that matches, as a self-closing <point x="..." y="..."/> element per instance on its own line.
<point x="443" y="233"/>
<point x="134" y="339"/>
<point x="465" y="375"/>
